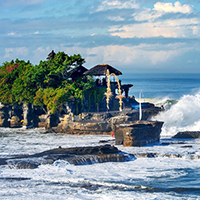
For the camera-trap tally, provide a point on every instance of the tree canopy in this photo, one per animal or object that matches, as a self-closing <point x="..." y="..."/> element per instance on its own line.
<point x="46" y="84"/>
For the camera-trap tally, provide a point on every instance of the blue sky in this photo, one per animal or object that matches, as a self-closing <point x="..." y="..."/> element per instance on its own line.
<point x="133" y="36"/>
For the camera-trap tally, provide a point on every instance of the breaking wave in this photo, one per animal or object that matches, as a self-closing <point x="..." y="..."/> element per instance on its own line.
<point x="183" y="115"/>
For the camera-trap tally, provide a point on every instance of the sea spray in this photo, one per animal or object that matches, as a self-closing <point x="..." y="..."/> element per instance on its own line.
<point x="182" y="116"/>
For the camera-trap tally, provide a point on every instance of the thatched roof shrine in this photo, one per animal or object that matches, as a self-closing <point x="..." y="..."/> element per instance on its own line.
<point x="101" y="70"/>
<point x="77" y="72"/>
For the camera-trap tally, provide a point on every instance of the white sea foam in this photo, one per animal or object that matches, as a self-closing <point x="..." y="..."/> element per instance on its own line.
<point x="121" y="180"/>
<point x="182" y="116"/>
<point x="131" y="178"/>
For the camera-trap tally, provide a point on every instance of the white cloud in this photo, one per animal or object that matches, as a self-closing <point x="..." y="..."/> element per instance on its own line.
<point x="168" y="28"/>
<point x="161" y="9"/>
<point x="14" y="34"/>
<point x="146" y="55"/>
<point x="41" y="53"/>
<point x="184" y="27"/>
<point x="36" y="32"/>
<point x="146" y="14"/>
<point x="12" y="53"/>
<point x="11" y="34"/>
<point x="117" y="4"/>
<point x="116" y="18"/>
<point x="124" y="58"/>
<point x="170" y="8"/>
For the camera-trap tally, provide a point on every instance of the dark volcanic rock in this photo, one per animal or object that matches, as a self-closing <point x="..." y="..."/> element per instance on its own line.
<point x="96" y="150"/>
<point x="106" y="141"/>
<point x="187" y="134"/>
<point x="76" y="156"/>
<point x="187" y="146"/>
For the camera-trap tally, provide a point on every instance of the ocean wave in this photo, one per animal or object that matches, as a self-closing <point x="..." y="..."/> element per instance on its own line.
<point x="182" y="115"/>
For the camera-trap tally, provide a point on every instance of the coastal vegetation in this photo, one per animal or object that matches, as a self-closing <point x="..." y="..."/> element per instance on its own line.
<point x="47" y="84"/>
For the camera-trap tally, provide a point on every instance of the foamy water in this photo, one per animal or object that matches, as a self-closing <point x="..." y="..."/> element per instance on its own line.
<point x="140" y="178"/>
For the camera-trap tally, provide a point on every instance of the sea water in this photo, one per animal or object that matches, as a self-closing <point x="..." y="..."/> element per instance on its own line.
<point x="173" y="174"/>
<point x="157" y="85"/>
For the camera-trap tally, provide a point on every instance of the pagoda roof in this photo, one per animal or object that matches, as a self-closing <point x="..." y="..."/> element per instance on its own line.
<point x="101" y="70"/>
<point x="77" y="72"/>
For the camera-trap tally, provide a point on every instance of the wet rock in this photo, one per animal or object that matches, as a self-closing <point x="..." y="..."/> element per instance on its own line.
<point x="146" y="155"/>
<point x="15" y="178"/>
<point x="90" y="159"/>
<point x="171" y="143"/>
<point x="76" y="156"/>
<point x="3" y="161"/>
<point x="106" y="141"/>
<point x="187" y="134"/>
<point x="22" y="165"/>
<point x="165" y="143"/>
<point x="187" y="146"/>
<point x="96" y="150"/>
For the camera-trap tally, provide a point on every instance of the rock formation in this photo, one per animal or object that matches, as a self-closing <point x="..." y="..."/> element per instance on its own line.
<point x="187" y="134"/>
<point x="76" y="156"/>
<point x="138" y="133"/>
<point x="15" y="122"/>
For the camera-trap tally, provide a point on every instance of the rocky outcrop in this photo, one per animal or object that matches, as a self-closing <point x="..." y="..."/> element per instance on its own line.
<point x="132" y="115"/>
<point x="83" y="127"/>
<point x="15" y="122"/>
<point x="76" y="156"/>
<point x="4" y="116"/>
<point x="97" y="123"/>
<point x="122" y="124"/>
<point x="138" y="133"/>
<point x="42" y="122"/>
<point x="187" y="134"/>
<point x="33" y="116"/>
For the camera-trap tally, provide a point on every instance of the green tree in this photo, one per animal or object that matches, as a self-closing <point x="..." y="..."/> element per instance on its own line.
<point x="13" y="84"/>
<point x="55" y="88"/>
<point x="47" y="84"/>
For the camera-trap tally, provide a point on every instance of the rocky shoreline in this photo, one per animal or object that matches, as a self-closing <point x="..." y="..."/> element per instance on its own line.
<point x="87" y="155"/>
<point x="125" y="126"/>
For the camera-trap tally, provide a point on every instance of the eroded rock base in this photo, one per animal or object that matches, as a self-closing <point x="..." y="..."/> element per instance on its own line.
<point x="138" y="133"/>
